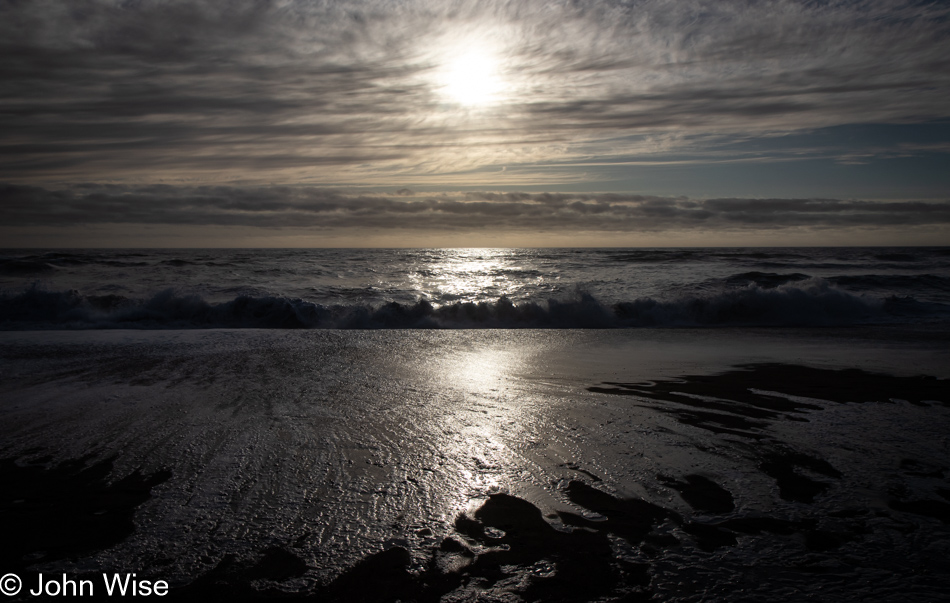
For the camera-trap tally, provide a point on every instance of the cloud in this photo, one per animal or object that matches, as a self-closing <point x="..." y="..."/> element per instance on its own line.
<point x="293" y="90"/>
<point x="326" y="210"/>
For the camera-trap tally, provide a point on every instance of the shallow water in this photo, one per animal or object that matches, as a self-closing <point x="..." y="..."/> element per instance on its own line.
<point x="343" y="455"/>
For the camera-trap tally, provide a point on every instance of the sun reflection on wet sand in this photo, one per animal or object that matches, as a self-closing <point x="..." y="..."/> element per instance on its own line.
<point x="488" y="420"/>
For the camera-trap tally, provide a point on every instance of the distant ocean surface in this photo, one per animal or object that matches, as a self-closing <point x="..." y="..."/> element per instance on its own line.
<point x="472" y="288"/>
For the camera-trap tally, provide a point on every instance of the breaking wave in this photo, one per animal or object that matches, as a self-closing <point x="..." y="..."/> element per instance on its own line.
<point x="809" y="302"/>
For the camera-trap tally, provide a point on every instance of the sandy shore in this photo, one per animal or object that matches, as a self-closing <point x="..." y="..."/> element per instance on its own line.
<point x="669" y="465"/>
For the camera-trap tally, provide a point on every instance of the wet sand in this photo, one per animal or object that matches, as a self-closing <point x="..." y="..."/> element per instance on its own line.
<point x="498" y="466"/>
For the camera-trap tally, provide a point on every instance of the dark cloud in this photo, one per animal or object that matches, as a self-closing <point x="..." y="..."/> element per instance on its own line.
<point x="282" y="90"/>
<point x="317" y="208"/>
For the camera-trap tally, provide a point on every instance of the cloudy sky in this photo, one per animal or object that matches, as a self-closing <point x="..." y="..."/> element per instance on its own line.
<point x="423" y="122"/>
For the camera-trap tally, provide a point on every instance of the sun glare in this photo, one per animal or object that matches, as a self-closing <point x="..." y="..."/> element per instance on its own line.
<point x="471" y="78"/>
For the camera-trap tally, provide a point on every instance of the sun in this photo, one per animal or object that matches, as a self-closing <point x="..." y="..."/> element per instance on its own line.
<point x="471" y="78"/>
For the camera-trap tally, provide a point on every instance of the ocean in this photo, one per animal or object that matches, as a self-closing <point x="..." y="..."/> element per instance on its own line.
<point x="682" y="425"/>
<point x="472" y="288"/>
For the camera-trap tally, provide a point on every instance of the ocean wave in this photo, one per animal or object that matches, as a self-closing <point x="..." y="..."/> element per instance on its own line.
<point x="654" y="255"/>
<point x="897" y="257"/>
<point x="53" y="261"/>
<point x="25" y="267"/>
<point x="914" y="282"/>
<point x="766" y="280"/>
<point x="813" y="302"/>
<point x="870" y="282"/>
<point x="122" y="264"/>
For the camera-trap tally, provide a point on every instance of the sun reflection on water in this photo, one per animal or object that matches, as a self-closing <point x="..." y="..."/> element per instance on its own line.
<point x="471" y="275"/>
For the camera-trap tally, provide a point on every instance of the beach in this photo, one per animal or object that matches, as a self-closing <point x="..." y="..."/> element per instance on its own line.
<point x="491" y="301"/>
<point x="674" y="464"/>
